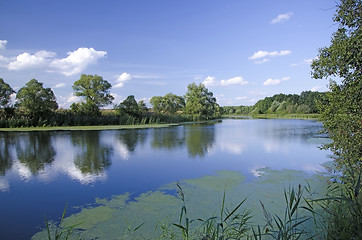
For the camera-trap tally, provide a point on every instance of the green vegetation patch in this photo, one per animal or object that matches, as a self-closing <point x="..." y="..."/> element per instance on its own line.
<point x="224" y="180"/>
<point x="151" y="214"/>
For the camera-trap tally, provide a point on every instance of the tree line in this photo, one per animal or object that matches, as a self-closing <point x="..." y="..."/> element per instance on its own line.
<point x="36" y="105"/>
<point x="305" y="103"/>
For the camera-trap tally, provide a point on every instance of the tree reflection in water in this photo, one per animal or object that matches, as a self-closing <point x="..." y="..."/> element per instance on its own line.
<point x="91" y="156"/>
<point x="200" y="139"/>
<point x="6" y="161"/>
<point x="130" y="138"/>
<point x="35" y="150"/>
<point x="170" y="138"/>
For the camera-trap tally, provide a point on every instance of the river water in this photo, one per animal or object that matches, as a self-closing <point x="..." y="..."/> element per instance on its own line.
<point x="41" y="172"/>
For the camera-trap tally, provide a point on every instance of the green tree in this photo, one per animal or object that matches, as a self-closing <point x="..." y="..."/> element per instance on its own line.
<point x="173" y="103"/>
<point x="201" y="102"/>
<point x="170" y="103"/>
<point x="342" y="116"/>
<point x="129" y="106"/>
<point x="342" y="59"/>
<point x="95" y="91"/>
<point x="5" y="93"/>
<point x="156" y="103"/>
<point x="142" y="106"/>
<point x="36" y="99"/>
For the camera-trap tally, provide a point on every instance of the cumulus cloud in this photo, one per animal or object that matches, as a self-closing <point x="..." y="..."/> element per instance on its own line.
<point x="117" y="98"/>
<point x="66" y="101"/>
<point x="282" y="18"/>
<point x="262" y="61"/>
<point x="271" y="81"/>
<point x="264" y="54"/>
<point x="234" y="81"/>
<point x="27" y="60"/>
<point x="3" y="44"/>
<point x="211" y="81"/>
<point x="124" y="77"/>
<point x="77" y="61"/>
<point x="60" y="85"/>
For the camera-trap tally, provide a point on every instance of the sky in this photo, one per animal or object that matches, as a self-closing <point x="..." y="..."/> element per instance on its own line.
<point x="241" y="50"/>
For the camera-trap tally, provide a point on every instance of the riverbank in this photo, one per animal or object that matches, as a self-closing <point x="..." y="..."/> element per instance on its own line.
<point x="102" y="127"/>
<point x="314" y="116"/>
<point x="88" y="128"/>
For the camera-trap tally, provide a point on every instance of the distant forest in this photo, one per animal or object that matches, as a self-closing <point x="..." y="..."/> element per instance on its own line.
<point x="36" y="105"/>
<point x="305" y="103"/>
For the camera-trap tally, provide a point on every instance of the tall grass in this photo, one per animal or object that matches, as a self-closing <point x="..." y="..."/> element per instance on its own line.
<point x="60" y="232"/>
<point x="232" y="224"/>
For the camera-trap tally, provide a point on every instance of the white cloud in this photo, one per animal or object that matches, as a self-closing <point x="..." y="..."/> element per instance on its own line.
<point x="262" y="61"/>
<point x="122" y="79"/>
<point x="117" y="98"/>
<point x="211" y="81"/>
<point x="282" y="18"/>
<point x="264" y="54"/>
<point x="26" y="60"/>
<point x="3" y="44"/>
<point x="66" y="101"/>
<point x="60" y="85"/>
<point x="316" y="89"/>
<point x="234" y="81"/>
<point x="270" y="81"/>
<point x="304" y="62"/>
<point x="77" y="61"/>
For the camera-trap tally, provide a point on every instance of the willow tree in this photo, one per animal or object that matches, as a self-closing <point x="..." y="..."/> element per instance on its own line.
<point x="201" y="102"/>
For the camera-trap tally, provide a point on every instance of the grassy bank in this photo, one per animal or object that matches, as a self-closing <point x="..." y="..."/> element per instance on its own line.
<point x="275" y="116"/>
<point x="103" y="127"/>
<point x="87" y="128"/>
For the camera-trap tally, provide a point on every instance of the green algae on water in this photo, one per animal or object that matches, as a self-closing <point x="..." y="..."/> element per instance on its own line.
<point x="117" y="217"/>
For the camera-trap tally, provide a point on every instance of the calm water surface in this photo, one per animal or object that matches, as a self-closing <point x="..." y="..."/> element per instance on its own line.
<point x="40" y="172"/>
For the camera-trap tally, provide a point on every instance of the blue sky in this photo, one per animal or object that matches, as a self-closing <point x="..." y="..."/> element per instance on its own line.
<point x="242" y="50"/>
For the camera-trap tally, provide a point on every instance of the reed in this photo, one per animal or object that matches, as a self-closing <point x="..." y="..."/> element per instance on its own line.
<point x="60" y="232"/>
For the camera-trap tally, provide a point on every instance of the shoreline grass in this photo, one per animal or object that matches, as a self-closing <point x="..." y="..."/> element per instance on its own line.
<point x="88" y="128"/>
<point x="313" y="116"/>
<point x="102" y="127"/>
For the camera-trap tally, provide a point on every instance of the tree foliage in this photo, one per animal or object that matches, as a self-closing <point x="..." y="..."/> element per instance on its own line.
<point x="170" y="103"/>
<point x="95" y="91"/>
<point x="201" y="102"/>
<point x="342" y="116"/>
<point x="36" y="99"/>
<point x="304" y="103"/>
<point x="5" y="93"/>
<point x="129" y="106"/>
